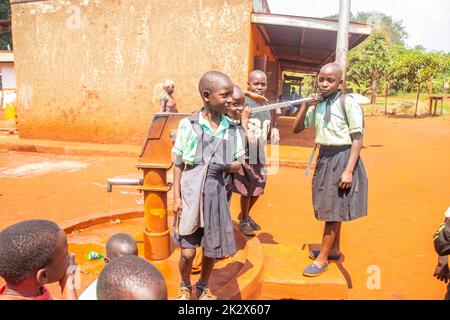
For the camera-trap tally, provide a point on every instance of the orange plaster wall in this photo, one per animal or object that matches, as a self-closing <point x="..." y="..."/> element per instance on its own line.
<point x="258" y="47"/>
<point x="100" y="80"/>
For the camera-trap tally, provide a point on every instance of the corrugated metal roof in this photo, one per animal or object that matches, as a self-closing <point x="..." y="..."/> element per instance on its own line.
<point x="303" y="43"/>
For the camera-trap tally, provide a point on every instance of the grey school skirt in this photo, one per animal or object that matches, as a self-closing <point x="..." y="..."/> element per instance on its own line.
<point x="217" y="236"/>
<point x="329" y="202"/>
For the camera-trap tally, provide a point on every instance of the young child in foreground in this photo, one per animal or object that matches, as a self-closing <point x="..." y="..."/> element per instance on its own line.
<point x="131" y="278"/>
<point x="239" y="116"/>
<point x="34" y="253"/>
<point x="206" y="147"/>
<point x="442" y="246"/>
<point x="118" y="245"/>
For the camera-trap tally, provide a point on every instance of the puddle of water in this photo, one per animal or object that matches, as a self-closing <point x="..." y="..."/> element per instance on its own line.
<point x="41" y="168"/>
<point x="103" y="186"/>
<point x="140" y="200"/>
<point x="130" y="192"/>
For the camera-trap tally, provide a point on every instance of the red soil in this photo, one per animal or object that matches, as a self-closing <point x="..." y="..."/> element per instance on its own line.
<point x="407" y="165"/>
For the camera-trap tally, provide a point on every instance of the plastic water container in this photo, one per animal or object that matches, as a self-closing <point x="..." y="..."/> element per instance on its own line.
<point x="10" y="111"/>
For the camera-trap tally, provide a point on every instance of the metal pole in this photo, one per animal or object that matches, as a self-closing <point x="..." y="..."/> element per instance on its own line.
<point x="342" y="36"/>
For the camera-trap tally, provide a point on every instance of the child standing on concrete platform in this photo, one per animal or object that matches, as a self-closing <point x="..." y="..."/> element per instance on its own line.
<point x="251" y="179"/>
<point x="340" y="184"/>
<point x="206" y="146"/>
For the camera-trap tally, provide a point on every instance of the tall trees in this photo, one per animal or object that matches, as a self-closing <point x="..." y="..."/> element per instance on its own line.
<point x="5" y="14"/>
<point x="418" y="67"/>
<point x="370" y="63"/>
<point x="5" y="10"/>
<point x="394" y="30"/>
<point x="383" y="57"/>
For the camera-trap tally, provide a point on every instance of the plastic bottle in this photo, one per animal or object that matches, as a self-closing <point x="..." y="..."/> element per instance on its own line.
<point x="92" y="255"/>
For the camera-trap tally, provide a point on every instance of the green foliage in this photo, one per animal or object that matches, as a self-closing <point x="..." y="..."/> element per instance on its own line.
<point x="418" y="66"/>
<point x="441" y="79"/>
<point x="5" y="40"/>
<point x="370" y="62"/>
<point x="5" y="14"/>
<point x="393" y="29"/>
<point x="383" y="57"/>
<point x="5" y="10"/>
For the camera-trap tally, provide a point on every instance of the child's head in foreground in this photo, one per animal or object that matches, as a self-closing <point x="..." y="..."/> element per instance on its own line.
<point x="257" y="82"/>
<point x="119" y="245"/>
<point x="237" y="106"/>
<point x="33" y="253"/>
<point x="216" y="89"/>
<point x="329" y="79"/>
<point x="131" y="278"/>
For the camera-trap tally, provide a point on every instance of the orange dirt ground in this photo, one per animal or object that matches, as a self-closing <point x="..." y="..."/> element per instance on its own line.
<point x="409" y="190"/>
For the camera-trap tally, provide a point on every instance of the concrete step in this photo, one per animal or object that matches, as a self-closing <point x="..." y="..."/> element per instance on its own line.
<point x="6" y="125"/>
<point x="283" y="279"/>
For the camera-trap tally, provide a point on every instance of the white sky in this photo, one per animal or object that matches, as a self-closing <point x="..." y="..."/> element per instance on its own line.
<point x="426" y="21"/>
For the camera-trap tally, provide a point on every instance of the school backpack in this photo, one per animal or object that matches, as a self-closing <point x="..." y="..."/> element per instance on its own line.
<point x="343" y="110"/>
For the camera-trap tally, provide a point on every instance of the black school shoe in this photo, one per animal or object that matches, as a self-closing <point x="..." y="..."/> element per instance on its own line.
<point x="247" y="229"/>
<point x="252" y="222"/>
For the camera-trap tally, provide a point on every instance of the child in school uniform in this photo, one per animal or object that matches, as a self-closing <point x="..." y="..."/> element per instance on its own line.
<point x="251" y="179"/>
<point x="206" y="147"/>
<point x="240" y="116"/>
<point x="441" y="241"/>
<point x="339" y="185"/>
<point x="237" y="115"/>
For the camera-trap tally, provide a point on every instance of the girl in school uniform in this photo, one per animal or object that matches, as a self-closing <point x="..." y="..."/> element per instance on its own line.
<point x="206" y="147"/>
<point x="250" y="181"/>
<point x="339" y="185"/>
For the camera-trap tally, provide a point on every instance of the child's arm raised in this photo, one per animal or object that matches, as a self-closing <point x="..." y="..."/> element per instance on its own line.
<point x="244" y="124"/>
<point x="256" y="97"/>
<point x="177" y="203"/>
<point x="347" y="175"/>
<point x="299" y="123"/>
<point x="236" y="165"/>
<point x="245" y="117"/>
<point x="67" y="283"/>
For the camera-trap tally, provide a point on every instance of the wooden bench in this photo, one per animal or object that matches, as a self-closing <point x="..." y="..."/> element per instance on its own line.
<point x="435" y="99"/>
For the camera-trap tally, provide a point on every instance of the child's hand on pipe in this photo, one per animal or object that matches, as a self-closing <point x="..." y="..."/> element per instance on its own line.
<point x="256" y="97"/>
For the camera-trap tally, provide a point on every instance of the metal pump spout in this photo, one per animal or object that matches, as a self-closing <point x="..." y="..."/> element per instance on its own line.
<point x="122" y="182"/>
